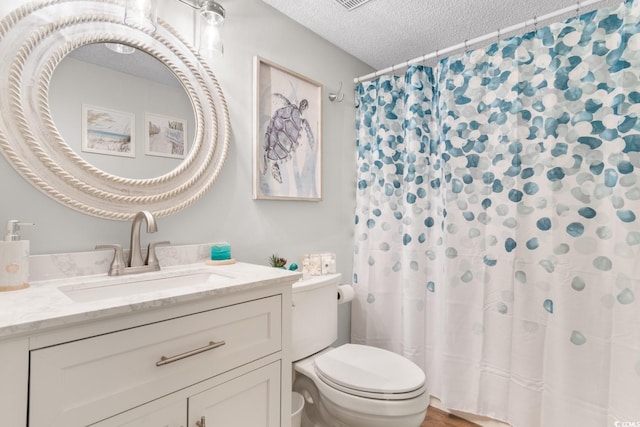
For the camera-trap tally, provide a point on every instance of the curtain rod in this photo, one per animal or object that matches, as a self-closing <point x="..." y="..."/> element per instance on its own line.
<point x="496" y="34"/>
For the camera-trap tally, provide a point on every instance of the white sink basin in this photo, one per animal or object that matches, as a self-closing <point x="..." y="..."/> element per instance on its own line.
<point x="127" y="286"/>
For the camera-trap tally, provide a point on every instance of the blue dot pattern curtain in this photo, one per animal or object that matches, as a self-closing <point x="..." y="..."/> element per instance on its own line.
<point x="497" y="238"/>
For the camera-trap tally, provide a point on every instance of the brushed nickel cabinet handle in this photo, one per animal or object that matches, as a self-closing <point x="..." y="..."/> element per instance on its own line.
<point x="164" y="360"/>
<point x="201" y="423"/>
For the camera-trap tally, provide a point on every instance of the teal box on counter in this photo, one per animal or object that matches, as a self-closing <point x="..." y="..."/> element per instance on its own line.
<point x="220" y="251"/>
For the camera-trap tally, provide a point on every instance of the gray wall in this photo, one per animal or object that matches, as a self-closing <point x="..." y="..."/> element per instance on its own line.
<point x="255" y="229"/>
<point x="77" y="83"/>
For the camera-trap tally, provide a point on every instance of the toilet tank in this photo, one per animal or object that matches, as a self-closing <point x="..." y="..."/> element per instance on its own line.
<point x="314" y="314"/>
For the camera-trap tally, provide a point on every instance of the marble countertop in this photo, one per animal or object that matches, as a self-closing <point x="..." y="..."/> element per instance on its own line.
<point x="56" y="301"/>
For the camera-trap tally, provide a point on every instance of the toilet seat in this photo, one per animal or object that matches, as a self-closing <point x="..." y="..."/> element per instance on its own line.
<point x="370" y="372"/>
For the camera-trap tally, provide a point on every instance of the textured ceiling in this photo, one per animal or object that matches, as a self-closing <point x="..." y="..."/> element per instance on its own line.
<point x="139" y="63"/>
<point x="383" y="33"/>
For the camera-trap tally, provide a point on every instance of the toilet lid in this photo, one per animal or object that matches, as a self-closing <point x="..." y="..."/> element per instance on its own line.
<point x="370" y="372"/>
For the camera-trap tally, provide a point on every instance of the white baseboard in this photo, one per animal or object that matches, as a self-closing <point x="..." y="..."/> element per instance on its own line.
<point x="477" y="419"/>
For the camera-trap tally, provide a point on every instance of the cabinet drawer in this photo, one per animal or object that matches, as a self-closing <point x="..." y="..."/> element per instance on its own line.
<point x="77" y="383"/>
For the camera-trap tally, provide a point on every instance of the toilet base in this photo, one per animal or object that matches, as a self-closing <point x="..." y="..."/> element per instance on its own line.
<point x="313" y="414"/>
<point x="322" y="412"/>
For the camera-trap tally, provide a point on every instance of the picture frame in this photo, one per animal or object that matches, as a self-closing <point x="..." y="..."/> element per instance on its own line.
<point x="287" y="134"/>
<point x="107" y="131"/>
<point x="165" y="136"/>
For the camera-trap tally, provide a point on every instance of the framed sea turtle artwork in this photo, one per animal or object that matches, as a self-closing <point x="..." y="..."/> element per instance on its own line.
<point x="287" y="135"/>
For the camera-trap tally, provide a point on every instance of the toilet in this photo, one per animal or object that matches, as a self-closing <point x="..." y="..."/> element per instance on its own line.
<point x="351" y="385"/>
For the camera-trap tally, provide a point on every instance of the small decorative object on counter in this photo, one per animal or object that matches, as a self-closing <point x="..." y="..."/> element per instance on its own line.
<point x="220" y="251"/>
<point x="276" y="261"/>
<point x="311" y="265"/>
<point x="293" y="267"/>
<point x="318" y="264"/>
<point x="221" y="254"/>
<point x="328" y="263"/>
<point x="306" y="267"/>
<point x="14" y="258"/>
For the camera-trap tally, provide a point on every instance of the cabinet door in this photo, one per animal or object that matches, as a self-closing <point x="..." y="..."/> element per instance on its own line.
<point x="159" y="413"/>
<point x="252" y="400"/>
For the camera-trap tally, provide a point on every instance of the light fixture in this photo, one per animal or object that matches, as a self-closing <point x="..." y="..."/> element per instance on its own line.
<point x="211" y="14"/>
<point x="141" y="13"/>
<point x="211" y="22"/>
<point x="120" y="48"/>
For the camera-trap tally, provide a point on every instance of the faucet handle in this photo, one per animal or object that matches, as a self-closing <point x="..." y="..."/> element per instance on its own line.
<point x="117" y="265"/>
<point x="152" y="258"/>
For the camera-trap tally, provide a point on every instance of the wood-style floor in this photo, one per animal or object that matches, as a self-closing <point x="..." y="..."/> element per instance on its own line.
<point x="437" y="418"/>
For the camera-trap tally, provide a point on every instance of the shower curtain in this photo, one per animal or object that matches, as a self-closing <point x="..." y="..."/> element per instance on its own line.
<point x="497" y="243"/>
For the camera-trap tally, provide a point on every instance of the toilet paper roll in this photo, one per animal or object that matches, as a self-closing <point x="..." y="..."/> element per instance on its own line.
<point x="345" y="293"/>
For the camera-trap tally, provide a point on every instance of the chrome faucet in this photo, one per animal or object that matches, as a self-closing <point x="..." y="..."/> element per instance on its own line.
<point x="135" y="255"/>
<point x="136" y="264"/>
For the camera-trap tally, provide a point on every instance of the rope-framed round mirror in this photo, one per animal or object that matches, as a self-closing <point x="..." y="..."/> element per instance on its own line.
<point x="34" y="40"/>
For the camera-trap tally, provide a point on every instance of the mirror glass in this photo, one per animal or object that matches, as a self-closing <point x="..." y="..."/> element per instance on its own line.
<point x="124" y="113"/>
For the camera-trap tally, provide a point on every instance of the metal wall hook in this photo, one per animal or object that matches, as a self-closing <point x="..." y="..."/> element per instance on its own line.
<point x="337" y="97"/>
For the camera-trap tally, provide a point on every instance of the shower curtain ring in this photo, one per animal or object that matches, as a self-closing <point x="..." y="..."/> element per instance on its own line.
<point x="577" y="9"/>
<point x="535" y="23"/>
<point x="466" y="46"/>
<point x="498" y="35"/>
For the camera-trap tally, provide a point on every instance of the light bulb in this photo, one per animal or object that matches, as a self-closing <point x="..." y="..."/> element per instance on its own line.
<point x="141" y="13"/>
<point x="211" y="24"/>
<point x="120" y="48"/>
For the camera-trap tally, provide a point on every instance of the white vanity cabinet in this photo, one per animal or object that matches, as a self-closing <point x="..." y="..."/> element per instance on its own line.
<point x="84" y="381"/>
<point x="251" y="399"/>
<point x="215" y="360"/>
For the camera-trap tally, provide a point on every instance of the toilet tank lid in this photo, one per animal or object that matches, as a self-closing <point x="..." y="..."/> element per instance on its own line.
<point x="316" y="282"/>
<point x="370" y="369"/>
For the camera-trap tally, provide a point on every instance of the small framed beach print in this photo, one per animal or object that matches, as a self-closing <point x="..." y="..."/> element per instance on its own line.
<point x="287" y="134"/>
<point x="165" y="136"/>
<point x="106" y="131"/>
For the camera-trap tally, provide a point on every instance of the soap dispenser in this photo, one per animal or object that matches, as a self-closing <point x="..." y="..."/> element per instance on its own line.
<point x="14" y="258"/>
